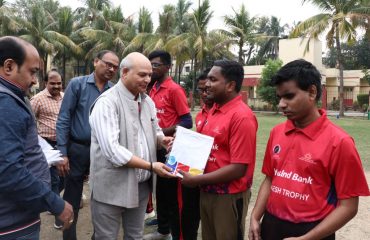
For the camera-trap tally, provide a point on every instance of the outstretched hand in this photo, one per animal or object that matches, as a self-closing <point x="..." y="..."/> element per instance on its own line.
<point x="162" y="170"/>
<point x="188" y="179"/>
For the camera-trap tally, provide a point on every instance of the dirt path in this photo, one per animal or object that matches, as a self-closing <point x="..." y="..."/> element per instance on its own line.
<point x="358" y="228"/>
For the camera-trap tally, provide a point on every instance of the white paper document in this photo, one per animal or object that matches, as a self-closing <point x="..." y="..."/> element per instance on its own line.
<point x="52" y="155"/>
<point x="190" y="151"/>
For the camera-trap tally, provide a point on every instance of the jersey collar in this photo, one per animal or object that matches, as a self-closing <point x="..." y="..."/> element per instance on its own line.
<point x="227" y="106"/>
<point x="313" y="130"/>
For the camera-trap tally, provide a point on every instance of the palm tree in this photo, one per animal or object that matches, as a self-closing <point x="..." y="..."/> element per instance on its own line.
<point x="110" y="31"/>
<point x="193" y="43"/>
<point x="38" y="27"/>
<point x="338" y="20"/>
<point x="217" y="45"/>
<point x="8" y="21"/>
<point x="182" y="18"/>
<point x="146" y="42"/>
<point x="64" y="26"/>
<point x="241" y="30"/>
<point x="145" y="24"/>
<point x="269" y="40"/>
<point x="35" y="29"/>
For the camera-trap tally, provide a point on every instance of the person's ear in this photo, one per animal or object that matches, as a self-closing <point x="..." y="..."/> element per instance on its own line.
<point x="312" y="92"/>
<point x="124" y="72"/>
<point x="9" y="66"/>
<point x="96" y="60"/>
<point x="230" y="86"/>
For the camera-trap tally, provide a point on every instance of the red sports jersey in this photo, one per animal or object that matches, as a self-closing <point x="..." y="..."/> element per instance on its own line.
<point x="201" y="118"/>
<point x="170" y="101"/>
<point x="234" y="128"/>
<point x="311" y="169"/>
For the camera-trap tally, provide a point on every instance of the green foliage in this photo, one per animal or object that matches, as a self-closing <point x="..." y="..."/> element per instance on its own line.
<point x="365" y="108"/>
<point x="355" y="56"/>
<point x="363" y="99"/>
<point x="366" y="76"/>
<point x="265" y="90"/>
<point x="339" y="21"/>
<point x="145" y="24"/>
<point x="241" y="31"/>
<point x="334" y="105"/>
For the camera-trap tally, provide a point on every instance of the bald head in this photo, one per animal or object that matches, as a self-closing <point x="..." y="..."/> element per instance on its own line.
<point x="12" y="48"/>
<point x="135" y="72"/>
<point x="133" y="59"/>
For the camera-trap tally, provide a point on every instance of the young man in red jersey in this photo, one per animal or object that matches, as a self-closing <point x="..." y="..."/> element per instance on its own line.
<point x="225" y="184"/>
<point x="172" y="110"/>
<point x="201" y="117"/>
<point x="313" y="172"/>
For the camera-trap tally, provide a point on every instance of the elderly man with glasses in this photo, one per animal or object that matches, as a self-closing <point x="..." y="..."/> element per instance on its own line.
<point x="73" y="129"/>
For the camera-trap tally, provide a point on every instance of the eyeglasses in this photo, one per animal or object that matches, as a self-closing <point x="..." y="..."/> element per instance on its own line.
<point x="109" y="65"/>
<point x="201" y="90"/>
<point x="157" y="65"/>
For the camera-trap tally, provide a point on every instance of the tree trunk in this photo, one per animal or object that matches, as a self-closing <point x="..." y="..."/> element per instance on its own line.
<point x="42" y="72"/>
<point x="240" y="55"/>
<point x="175" y="77"/>
<point x="249" y="54"/>
<point x="340" y="67"/>
<point x="64" y="69"/>
<point x="193" y="62"/>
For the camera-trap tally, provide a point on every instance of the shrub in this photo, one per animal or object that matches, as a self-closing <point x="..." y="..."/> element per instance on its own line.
<point x="334" y="105"/>
<point x="355" y="106"/>
<point x="365" y="107"/>
<point x="363" y="99"/>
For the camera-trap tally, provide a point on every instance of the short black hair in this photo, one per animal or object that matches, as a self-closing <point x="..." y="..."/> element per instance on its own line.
<point x="163" y="55"/>
<point x="46" y="78"/>
<point x="232" y="71"/>
<point x="203" y="75"/>
<point x="304" y="73"/>
<point x="10" y="48"/>
<point x="101" y="54"/>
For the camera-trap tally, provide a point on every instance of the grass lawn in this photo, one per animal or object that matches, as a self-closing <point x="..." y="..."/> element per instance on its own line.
<point x="359" y="129"/>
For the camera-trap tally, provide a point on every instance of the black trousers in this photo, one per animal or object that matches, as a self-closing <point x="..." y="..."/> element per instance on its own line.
<point x="190" y="214"/>
<point x="167" y="204"/>
<point x="79" y="164"/>
<point x="273" y="228"/>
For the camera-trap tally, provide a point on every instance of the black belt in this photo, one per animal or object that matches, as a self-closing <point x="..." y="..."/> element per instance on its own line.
<point x="81" y="142"/>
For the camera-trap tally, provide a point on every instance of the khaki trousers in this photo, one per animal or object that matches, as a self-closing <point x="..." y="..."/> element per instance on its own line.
<point x="223" y="215"/>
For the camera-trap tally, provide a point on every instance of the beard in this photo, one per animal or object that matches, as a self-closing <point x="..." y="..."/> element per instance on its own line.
<point x="156" y="77"/>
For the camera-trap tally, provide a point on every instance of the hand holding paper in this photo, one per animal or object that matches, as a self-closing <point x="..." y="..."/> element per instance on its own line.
<point x="53" y="156"/>
<point x="190" y="152"/>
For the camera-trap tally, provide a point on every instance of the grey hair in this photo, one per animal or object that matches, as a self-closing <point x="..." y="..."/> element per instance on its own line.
<point x="125" y="63"/>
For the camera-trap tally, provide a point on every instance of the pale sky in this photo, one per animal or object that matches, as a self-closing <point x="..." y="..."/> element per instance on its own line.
<point x="288" y="11"/>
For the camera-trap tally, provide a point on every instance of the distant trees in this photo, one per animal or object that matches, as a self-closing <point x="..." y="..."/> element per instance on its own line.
<point x="355" y="55"/>
<point x="339" y="20"/>
<point x="77" y="35"/>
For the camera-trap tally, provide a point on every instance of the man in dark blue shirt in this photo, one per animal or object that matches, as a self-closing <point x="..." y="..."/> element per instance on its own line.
<point x="24" y="174"/>
<point x="73" y="129"/>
